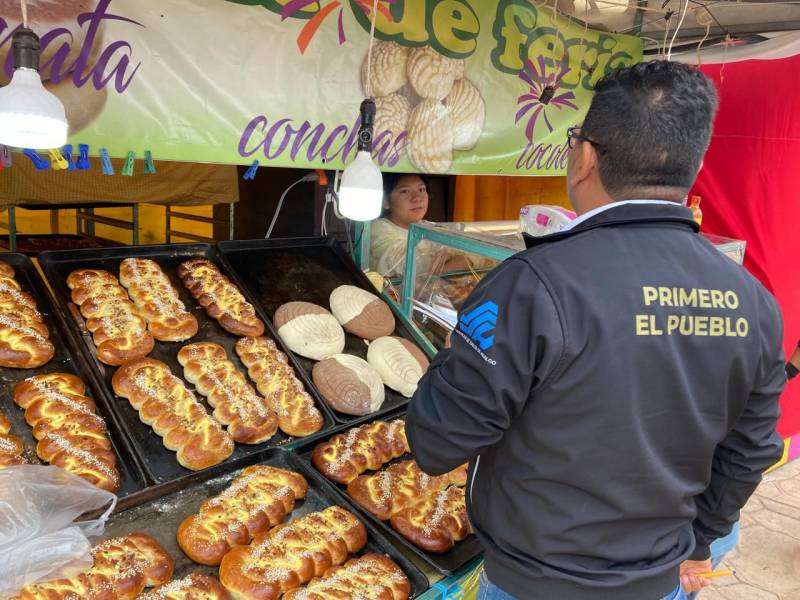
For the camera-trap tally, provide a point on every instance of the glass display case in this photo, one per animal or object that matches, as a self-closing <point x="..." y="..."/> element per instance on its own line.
<point x="445" y="261"/>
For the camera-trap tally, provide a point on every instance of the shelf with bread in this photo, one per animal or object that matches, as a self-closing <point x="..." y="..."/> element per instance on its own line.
<point x="271" y="528"/>
<point x="363" y="360"/>
<point x="50" y="410"/>
<point x="370" y="465"/>
<point x="194" y="375"/>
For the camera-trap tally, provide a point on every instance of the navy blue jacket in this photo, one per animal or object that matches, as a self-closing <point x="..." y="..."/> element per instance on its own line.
<point x="615" y="389"/>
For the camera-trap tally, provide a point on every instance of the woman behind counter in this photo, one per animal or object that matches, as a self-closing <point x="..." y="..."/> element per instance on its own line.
<point x="405" y="201"/>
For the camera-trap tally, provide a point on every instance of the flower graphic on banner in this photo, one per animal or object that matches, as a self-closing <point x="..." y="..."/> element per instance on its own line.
<point x="316" y="12"/>
<point x="534" y="103"/>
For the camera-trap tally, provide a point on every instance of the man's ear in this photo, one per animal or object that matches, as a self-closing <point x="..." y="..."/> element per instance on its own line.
<point x="585" y="163"/>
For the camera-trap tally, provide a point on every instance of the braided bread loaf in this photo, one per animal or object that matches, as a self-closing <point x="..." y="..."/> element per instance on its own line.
<point x="399" y="486"/>
<point x="259" y="498"/>
<point x="11" y="447"/>
<point x="372" y="576"/>
<point x="236" y="404"/>
<point x="269" y="368"/>
<point x="436" y="522"/>
<point x="118" y="331"/>
<point x="170" y="408"/>
<point x="71" y="434"/>
<point x="367" y="448"/>
<point x="192" y="587"/>
<point x="24" y="338"/>
<point x="290" y="555"/>
<point x="220" y="297"/>
<point x="122" y="568"/>
<point x="157" y="300"/>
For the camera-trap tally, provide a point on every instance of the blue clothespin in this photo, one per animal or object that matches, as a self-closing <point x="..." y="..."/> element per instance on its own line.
<point x="82" y="164"/>
<point x="105" y="160"/>
<point x="149" y="165"/>
<point x="40" y="163"/>
<point x="66" y="152"/>
<point x="5" y="156"/>
<point x="251" y="172"/>
<point x="127" y="170"/>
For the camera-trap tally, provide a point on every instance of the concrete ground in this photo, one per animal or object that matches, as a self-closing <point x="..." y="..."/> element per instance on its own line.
<point x="767" y="561"/>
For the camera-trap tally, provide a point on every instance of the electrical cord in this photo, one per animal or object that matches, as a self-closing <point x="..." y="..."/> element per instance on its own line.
<point x="368" y="89"/>
<point x="24" y="6"/>
<point x="308" y="177"/>
<point x="677" y="29"/>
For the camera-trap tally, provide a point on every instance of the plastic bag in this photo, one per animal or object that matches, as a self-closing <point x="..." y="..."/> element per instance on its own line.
<point x="543" y="219"/>
<point x="38" y="536"/>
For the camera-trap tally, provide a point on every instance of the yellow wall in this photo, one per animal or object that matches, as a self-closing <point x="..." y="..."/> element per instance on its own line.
<point x="152" y="224"/>
<point x="499" y="198"/>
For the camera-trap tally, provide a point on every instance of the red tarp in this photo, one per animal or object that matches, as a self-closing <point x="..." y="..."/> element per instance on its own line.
<point x="750" y="185"/>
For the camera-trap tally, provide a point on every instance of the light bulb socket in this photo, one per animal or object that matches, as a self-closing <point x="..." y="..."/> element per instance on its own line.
<point x="25" y="46"/>
<point x="368" y="110"/>
<point x="547" y="94"/>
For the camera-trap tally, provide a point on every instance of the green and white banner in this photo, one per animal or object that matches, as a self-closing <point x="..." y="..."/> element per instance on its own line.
<point x="461" y="86"/>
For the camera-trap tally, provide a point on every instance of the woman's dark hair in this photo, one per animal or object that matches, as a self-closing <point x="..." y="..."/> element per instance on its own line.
<point x="390" y="181"/>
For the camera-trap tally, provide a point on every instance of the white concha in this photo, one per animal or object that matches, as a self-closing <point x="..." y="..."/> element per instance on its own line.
<point x="432" y="74"/>
<point x="367" y="375"/>
<point x="361" y="313"/>
<point x="430" y="136"/>
<point x="468" y="111"/>
<point x="392" y="115"/>
<point x="349" y="384"/>
<point x="388" y="72"/>
<point x="309" y="330"/>
<point x="399" y="363"/>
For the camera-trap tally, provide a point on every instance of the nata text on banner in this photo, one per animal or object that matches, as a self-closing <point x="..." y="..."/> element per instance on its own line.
<point x="458" y="83"/>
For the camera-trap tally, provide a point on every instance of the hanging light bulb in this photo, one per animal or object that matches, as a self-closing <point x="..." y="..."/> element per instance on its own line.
<point x="30" y="116"/>
<point x="361" y="190"/>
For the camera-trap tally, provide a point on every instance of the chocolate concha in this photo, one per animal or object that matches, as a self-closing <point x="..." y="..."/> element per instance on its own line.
<point x="309" y="330"/>
<point x="399" y="363"/>
<point x="349" y="384"/>
<point x="361" y="313"/>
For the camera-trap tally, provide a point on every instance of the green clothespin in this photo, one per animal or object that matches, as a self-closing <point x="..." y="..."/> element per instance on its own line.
<point x="149" y="166"/>
<point x="128" y="168"/>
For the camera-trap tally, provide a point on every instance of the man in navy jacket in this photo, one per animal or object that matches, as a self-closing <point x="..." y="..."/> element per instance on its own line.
<point x="615" y="386"/>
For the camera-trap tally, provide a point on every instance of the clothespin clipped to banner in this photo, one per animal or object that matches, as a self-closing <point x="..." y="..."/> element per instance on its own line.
<point x="66" y="152"/>
<point x="127" y="170"/>
<point x="149" y="166"/>
<point x="105" y="160"/>
<point x="83" y="164"/>
<point x="5" y="156"/>
<point x="57" y="160"/>
<point x="251" y="172"/>
<point x="40" y="163"/>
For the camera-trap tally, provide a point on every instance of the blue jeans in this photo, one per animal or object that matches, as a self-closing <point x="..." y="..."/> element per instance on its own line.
<point x="490" y="591"/>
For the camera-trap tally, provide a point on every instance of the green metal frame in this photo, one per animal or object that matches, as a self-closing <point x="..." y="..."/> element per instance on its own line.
<point x="418" y="233"/>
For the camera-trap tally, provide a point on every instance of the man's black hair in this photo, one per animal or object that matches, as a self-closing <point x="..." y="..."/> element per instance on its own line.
<point x="653" y="122"/>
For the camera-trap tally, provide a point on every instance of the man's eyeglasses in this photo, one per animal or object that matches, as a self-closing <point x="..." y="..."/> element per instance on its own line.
<point x="574" y="135"/>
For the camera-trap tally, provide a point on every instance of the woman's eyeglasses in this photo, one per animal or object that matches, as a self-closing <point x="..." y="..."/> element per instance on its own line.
<point x="574" y="135"/>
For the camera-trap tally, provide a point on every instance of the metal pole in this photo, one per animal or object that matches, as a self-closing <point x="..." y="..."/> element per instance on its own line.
<point x="135" y="224"/>
<point x="12" y="228"/>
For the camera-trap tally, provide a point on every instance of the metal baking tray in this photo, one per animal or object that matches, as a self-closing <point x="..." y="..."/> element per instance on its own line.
<point x="447" y="563"/>
<point x="164" y="507"/>
<point x="159" y="463"/>
<point x="306" y="269"/>
<point x="67" y="359"/>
